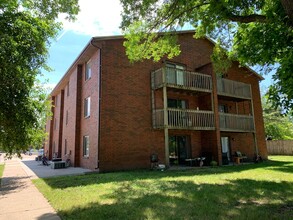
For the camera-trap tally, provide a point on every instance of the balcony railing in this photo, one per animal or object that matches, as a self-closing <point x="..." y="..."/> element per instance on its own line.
<point x="237" y="123"/>
<point x="233" y="88"/>
<point x="182" y="79"/>
<point x="185" y="119"/>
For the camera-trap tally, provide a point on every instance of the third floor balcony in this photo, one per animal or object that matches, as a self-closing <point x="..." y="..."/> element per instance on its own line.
<point x="227" y="87"/>
<point x="181" y="79"/>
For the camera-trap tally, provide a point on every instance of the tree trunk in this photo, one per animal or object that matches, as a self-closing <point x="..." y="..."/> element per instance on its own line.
<point x="288" y="7"/>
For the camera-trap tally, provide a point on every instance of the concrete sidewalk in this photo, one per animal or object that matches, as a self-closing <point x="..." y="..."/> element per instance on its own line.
<point x="19" y="198"/>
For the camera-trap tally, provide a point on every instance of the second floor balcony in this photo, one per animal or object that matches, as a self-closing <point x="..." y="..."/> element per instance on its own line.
<point x="236" y="123"/>
<point x="187" y="119"/>
<point x="184" y="119"/>
<point x="181" y="79"/>
<point x="227" y="87"/>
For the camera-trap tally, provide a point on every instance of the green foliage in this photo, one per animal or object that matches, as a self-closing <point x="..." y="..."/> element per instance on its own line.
<point x="26" y="28"/>
<point x="213" y="163"/>
<point x="278" y="126"/>
<point x="143" y="45"/>
<point x="221" y="63"/>
<point x="1" y="171"/>
<point x="255" y="32"/>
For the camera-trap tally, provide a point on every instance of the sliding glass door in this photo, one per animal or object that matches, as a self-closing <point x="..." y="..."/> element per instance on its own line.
<point x="179" y="149"/>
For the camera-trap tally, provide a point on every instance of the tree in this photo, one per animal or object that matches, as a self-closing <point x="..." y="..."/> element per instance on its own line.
<point x="26" y="28"/>
<point x="254" y="32"/>
<point x="277" y="125"/>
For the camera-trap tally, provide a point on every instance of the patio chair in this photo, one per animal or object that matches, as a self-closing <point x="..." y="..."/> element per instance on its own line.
<point x="239" y="157"/>
<point x="154" y="161"/>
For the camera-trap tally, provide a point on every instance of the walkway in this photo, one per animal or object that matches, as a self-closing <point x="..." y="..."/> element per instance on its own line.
<point x="19" y="198"/>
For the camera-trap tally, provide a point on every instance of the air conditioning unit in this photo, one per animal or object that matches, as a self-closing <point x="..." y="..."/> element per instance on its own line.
<point x="58" y="165"/>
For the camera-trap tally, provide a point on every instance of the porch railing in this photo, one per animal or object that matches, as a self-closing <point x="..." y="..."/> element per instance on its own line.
<point x="182" y="79"/>
<point x="233" y="88"/>
<point x="185" y="119"/>
<point x="240" y="123"/>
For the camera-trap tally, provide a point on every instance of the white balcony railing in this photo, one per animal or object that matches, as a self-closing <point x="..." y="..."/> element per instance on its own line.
<point x="233" y="88"/>
<point x="185" y="119"/>
<point x="232" y="122"/>
<point x="182" y="79"/>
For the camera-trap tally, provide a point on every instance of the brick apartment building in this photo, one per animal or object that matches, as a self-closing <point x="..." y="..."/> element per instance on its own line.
<point x="109" y="114"/>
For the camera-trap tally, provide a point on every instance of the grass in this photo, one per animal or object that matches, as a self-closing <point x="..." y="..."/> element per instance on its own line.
<point x="1" y="172"/>
<point x="254" y="191"/>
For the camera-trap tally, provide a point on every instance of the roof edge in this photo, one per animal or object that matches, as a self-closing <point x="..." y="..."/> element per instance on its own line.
<point x="116" y="37"/>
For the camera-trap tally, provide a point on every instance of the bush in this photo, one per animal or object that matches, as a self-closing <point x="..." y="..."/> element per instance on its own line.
<point x="213" y="163"/>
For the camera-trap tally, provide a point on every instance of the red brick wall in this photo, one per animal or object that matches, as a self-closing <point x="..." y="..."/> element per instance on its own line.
<point x="69" y="128"/>
<point x="89" y="125"/>
<point x="243" y="142"/>
<point x="127" y="137"/>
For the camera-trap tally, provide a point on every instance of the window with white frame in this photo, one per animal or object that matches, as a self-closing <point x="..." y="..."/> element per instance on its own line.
<point x="55" y="123"/>
<point x="87" y="107"/>
<point x="68" y="89"/>
<point x="65" y="147"/>
<point x="66" y="119"/>
<point x="175" y="73"/>
<point x="86" y="146"/>
<point x="56" y="100"/>
<point x="54" y="147"/>
<point x="88" y="70"/>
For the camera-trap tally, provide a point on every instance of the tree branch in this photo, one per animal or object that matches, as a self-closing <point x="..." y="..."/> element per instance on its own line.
<point x="248" y="18"/>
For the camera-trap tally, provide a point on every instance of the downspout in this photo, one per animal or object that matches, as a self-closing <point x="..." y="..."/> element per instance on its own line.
<point x="100" y="98"/>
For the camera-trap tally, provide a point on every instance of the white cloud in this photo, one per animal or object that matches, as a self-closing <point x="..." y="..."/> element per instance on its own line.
<point x="49" y="87"/>
<point x="96" y="18"/>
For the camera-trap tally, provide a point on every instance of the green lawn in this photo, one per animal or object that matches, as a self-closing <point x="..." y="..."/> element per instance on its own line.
<point x="255" y="191"/>
<point x="1" y="172"/>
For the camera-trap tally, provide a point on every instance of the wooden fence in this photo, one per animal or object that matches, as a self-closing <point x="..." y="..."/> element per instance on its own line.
<point x="284" y="147"/>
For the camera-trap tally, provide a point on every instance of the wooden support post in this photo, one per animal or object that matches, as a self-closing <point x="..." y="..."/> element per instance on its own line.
<point x="254" y="133"/>
<point x="166" y="134"/>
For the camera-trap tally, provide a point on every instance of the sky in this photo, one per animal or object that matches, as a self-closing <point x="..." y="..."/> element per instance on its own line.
<point x="96" y="18"/>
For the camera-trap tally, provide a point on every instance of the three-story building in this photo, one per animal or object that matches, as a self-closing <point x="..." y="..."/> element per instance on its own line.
<point x="110" y="114"/>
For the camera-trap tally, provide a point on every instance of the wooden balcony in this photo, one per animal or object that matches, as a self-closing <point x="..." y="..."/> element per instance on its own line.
<point x="236" y="123"/>
<point x="233" y="88"/>
<point x="181" y="79"/>
<point x="184" y="119"/>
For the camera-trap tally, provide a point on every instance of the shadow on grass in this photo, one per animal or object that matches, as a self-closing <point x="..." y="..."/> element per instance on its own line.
<point x="116" y="177"/>
<point x="238" y="199"/>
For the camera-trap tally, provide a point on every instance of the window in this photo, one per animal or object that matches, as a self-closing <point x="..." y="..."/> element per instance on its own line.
<point x="54" y="147"/>
<point x="68" y="89"/>
<point x="56" y="100"/>
<point x="175" y="73"/>
<point x="88" y="70"/>
<point x="223" y="108"/>
<point x="87" y="107"/>
<point x="65" y="147"/>
<point x="177" y="103"/>
<point x="66" y="119"/>
<point x="86" y="146"/>
<point x="55" y="123"/>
